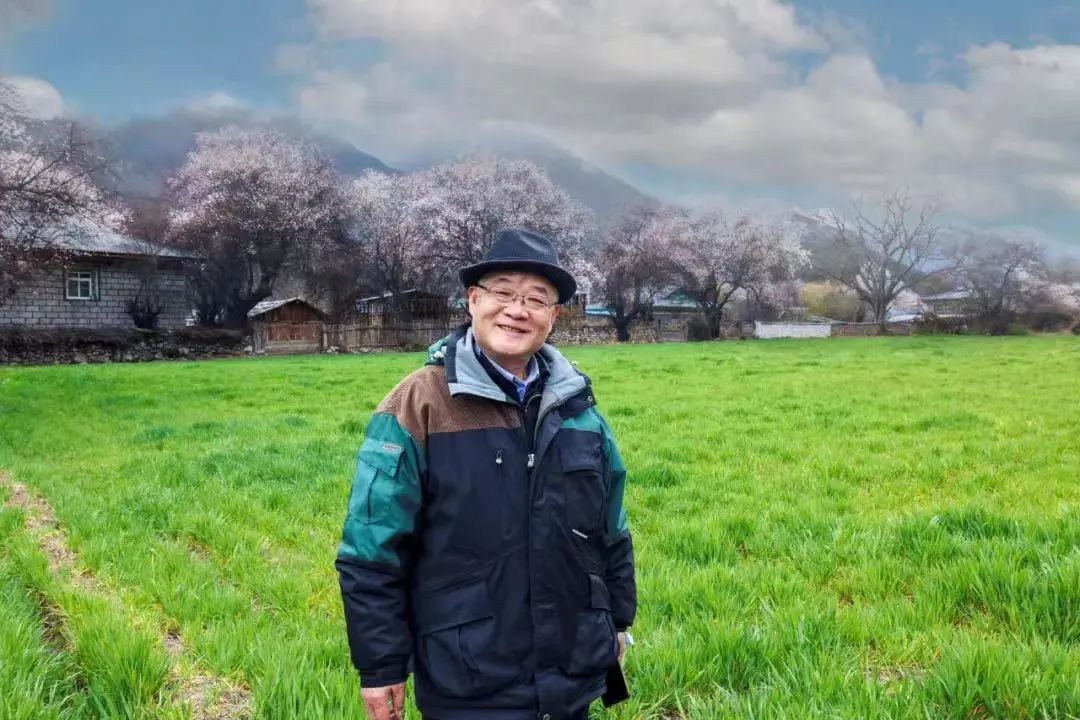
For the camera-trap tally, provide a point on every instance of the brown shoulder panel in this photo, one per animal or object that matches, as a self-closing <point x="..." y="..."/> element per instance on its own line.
<point x="422" y="403"/>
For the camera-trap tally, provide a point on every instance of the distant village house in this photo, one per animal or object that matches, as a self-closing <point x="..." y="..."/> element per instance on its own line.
<point x="286" y="326"/>
<point x="107" y="272"/>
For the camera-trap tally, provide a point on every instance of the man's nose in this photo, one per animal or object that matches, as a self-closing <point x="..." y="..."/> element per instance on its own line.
<point x="516" y="308"/>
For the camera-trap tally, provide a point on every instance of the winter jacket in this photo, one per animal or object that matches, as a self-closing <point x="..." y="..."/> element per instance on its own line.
<point x="493" y="563"/>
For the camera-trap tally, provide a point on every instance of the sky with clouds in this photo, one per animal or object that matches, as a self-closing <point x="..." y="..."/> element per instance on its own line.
<point x="746" y="102"/>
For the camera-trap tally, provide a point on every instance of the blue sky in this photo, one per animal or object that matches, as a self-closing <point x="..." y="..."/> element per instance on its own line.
<point x="407" y="83"/>
<point x="115" y="58"/>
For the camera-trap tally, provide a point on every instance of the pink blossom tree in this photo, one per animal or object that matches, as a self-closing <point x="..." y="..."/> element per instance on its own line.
<point x="255" y="204"/>
<point x="716" y="258"/>
<point x="50" y="191"/>
<point x="470" y="200"/>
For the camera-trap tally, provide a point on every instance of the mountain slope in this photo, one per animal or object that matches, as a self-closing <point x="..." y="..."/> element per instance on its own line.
<point x="150" y="150"/>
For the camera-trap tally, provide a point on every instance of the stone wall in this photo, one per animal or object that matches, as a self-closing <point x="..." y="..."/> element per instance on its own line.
<point x="41" y="302"/>
<point x="592" y="330"/>
<point x="644" y="331"/>
<point x="582" y="330"/>
<point x="871" y="329"/>
<point x="45" y="346"/>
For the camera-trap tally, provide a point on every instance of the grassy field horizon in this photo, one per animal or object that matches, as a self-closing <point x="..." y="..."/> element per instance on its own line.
<point x="848" y="528"/>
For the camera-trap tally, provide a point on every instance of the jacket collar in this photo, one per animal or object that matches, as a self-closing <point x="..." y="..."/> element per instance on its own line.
<point x="466" y="376"/>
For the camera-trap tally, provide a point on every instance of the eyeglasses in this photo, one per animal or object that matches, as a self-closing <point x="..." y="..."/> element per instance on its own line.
<point x="503" y="296"/>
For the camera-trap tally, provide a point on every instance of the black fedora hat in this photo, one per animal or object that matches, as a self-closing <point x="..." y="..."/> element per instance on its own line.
<point x="517" y="249"/>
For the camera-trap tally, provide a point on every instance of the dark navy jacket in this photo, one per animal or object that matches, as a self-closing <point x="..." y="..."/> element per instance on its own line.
<point x="493" y="563"/>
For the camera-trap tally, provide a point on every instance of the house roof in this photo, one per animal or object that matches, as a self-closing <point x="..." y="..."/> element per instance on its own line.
<point x="387" y="294"/>
<point x="97" y="240"/>
<point x="673" y="297"/>
<point x="596" y="309"/>
<point x="265" y="306"/>
<point x="953" y="295"/>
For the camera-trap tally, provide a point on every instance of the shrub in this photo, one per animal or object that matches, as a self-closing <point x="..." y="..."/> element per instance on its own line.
<point x="930" y="324"/>
<point x="697" y="329"/>
<point x="1049" y="320"/>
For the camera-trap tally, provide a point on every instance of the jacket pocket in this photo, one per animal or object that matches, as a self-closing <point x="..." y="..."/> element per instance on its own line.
<point x="582" y="466"/>
<point x="596" y="644"/>
<point x="373" y="486"/>
<point x="458" y="642"/>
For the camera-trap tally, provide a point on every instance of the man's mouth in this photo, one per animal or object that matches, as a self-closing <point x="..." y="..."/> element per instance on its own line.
<point x="514" y="330"/>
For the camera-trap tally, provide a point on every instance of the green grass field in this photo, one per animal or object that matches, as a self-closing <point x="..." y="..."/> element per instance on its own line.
<point x="848" y="528"/>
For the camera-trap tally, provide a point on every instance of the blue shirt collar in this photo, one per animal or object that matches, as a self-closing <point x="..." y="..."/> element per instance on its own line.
<point x="521" y="386"/>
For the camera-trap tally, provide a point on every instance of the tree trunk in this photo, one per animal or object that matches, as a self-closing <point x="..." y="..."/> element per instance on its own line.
<point x="714" y="316"/>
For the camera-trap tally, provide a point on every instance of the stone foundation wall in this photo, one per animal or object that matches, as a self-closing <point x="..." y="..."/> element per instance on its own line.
<point x="66" y="346"/>
<point x="599" y="330"/>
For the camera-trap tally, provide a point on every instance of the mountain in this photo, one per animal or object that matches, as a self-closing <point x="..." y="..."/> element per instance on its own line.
<point x="820" y="241"/>
<point x="606" y="195"/>
<point x="149" y="150"/>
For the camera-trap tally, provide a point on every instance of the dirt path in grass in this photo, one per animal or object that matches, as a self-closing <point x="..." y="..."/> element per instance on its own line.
<point x="208" y="696"/>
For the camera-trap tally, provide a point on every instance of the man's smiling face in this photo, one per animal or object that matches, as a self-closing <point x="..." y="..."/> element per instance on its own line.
<point x="511" y="333"/>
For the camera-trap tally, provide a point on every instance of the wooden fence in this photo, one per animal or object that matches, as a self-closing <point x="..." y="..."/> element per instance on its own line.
<point x="355" y="336"/>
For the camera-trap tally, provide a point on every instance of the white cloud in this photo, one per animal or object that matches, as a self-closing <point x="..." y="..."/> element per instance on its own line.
<point x="709" y="89"/>
<point x="215" y="103"/>
<point x="37" y="98"/>
<point x="295" y="58"/>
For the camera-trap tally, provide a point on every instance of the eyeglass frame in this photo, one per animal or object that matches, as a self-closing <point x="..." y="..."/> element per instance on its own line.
<point x="515" y="296"/>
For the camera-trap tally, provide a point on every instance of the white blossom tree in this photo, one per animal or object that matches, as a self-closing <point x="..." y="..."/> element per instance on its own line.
<point x="470" y="200"/>
<point x="879" y="258"/>
<point x="387" y="216"/>
<point x="254" y="203"/>
<point x="633" y="263"/>
<point x="1003" y="276"/>
<point x="716" y="258"/>
<point x="50" y="190"/>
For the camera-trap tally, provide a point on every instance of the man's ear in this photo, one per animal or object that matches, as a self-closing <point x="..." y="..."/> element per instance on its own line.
<point x="557" y="312"/>
<point x="470" y="298"/>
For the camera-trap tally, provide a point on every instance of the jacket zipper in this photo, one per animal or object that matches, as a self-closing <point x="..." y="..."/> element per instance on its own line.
<point x="540" y="420"/>
<point x="504" y="489"/>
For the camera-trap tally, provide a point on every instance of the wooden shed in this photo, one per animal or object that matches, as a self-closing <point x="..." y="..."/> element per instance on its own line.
<point x="377" y="310"/>
<point x="284" y="327"/>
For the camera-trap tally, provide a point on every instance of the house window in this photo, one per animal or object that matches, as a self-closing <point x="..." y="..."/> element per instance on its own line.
<point x="81" y="284"/>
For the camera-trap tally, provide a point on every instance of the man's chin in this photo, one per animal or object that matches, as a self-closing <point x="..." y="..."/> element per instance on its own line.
<point x="513" y="347"/>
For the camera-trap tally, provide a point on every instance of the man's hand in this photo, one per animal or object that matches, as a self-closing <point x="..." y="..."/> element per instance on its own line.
<point x="622" y="647"/>
<point x="384" y="703"/>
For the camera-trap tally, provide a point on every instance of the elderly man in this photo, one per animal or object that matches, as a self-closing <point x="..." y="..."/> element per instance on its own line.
<point x="486" y="548"/>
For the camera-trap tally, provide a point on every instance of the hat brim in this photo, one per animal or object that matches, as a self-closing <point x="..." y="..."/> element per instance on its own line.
<point x="563" y="281"/>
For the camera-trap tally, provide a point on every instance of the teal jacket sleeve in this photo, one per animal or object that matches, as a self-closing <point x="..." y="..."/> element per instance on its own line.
<point x="620" y="557"/>
<point x="376" y="547"/>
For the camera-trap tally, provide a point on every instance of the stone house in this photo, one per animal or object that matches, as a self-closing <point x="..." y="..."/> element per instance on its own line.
<point x="105" y="271"/>
<point x="958" y="303"/>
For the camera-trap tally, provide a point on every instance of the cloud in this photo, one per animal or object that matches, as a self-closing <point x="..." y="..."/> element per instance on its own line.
<point x="717" y="91"/>
<point x="20" y="13"/>
<point x="216" y="103"/>
<point x="37" y="98"/>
